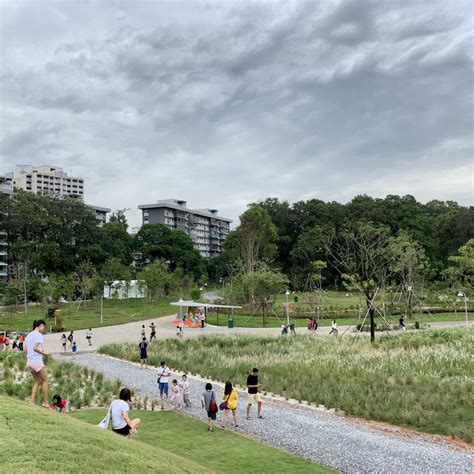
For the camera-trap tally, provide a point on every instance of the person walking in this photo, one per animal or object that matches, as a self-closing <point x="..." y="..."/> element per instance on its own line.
<point x="34" y="360"/>
<point x="64" y="342"/>
<point x="401" y="321"/>
<point x="253" y="388"/>
<point x="74" y="350"/>
<point x="70" y="338"/>
<point x="143" y="332"/>
<point x="185" y="387"/>
<point x="334" y="328"/>
<point x="179" y="332"/>
<point x="6" y="342"/>
<point x="163" y="381"/>
<point x="292" y="328"/>
<point x="119" y="412"/>
<point x="152" y="331"/>
<point x="203" y="320"/>
<point x="89" y="336"/>
<point x="229" y="404"/>
<point x="209" y="405"/>
<point x="143" y="352"/>
<point x="175" y="398"/>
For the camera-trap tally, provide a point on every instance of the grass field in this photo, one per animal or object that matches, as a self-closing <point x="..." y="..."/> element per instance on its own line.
<point x="220" y="451"/>
<point x="35" y="440"/>
<point x="115" y="312"/>
<point x="255" y="321"/>
<point x="422" y="380"/>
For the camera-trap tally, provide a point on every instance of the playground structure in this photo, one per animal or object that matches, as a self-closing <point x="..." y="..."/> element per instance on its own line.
<point x="197" y="308"/>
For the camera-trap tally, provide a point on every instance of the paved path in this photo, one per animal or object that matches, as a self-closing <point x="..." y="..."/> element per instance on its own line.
<point x="130" y="332"/>
<point x="346" y="444"/>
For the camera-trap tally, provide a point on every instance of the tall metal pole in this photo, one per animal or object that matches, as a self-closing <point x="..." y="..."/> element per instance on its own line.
<point x="102" y="309"/>
<point x="287" y="312"/>
<point x="465" y="308"/>
<point x="25" y="296"/>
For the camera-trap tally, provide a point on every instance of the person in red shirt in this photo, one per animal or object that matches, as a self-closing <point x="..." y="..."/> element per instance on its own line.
<point x="59" y="404"/>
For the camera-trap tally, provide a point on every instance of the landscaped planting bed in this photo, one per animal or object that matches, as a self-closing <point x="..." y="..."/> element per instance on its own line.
<point x="423" y="380"/>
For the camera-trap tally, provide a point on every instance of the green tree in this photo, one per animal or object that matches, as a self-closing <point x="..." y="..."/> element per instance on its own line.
<point x="461" y="266"/>
<point x="254" y="240"/>
<point x="361" y="253"/>
<point x="55" y="232"/>
<point x="407" y="262"/>
<point x="262" y="287"/>
<point x="310" y="247"/>
<point x="158" y="242"/>
<point x="159" y="280"/>
<point x="117" y="242"/>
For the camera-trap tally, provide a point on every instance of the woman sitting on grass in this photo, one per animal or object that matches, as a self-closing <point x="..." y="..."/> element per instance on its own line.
<point x="121" y="422"/>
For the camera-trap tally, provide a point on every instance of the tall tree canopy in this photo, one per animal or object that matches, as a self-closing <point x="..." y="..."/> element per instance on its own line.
<point x="157" y="241"/>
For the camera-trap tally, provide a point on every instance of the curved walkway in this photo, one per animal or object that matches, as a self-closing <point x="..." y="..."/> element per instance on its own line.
<point x="344" y="443"/>
<point x="130" y="332"/>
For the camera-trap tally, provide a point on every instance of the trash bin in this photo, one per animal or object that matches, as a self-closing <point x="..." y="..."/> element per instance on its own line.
<point x="50" y="312"/>
<point x="295" y="299"/>
<point x="230" y="323"/>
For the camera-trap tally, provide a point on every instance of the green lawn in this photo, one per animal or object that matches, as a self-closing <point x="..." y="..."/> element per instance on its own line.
<point x="35" y="440"/>
<point x="255" y="321"/>
<point x="220" y="451"/>
<point x="115" y="312"/>
<point x="423" y="380"/>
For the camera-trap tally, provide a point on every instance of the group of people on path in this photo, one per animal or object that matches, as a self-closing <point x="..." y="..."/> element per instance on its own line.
<point x="72" y="342"/>
<point x="119" y="409"/>
<point x="312" y="326"/>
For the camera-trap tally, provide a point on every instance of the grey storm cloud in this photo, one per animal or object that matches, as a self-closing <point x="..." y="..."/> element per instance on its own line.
<point x="225" y="103"/>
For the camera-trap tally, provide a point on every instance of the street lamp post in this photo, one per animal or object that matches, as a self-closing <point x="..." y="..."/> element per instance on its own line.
<point x="287" y="309"/>
<point x="461" y="294"/>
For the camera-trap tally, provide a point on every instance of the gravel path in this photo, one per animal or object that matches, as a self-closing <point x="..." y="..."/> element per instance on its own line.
<point x="343" y="443"/>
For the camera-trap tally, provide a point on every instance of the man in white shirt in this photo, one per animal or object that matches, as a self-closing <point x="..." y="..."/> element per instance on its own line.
<point x="163" y="380"/>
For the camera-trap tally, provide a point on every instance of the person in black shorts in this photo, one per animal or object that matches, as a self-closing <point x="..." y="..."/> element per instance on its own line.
<point x="153" y="331"/>
<point x="119" y="409"/>
<point x="143" y="352"/>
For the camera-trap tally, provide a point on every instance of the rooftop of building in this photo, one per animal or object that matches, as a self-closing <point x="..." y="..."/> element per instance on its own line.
<point x="180" y="205"/>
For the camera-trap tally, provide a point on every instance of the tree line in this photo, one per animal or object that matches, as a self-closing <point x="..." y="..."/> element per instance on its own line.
<point x="57" y="249"/>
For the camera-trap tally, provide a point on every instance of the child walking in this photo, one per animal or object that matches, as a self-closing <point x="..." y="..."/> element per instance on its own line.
<point x="74" y="350"/>
<point x="175" y="398"/>
<point x="63" y="342"/>
<point x="184" y="384"/>
<point x="89" y="336"/>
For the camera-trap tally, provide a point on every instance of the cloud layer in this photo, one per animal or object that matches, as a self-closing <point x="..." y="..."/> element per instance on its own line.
<point x="224" y="103"/>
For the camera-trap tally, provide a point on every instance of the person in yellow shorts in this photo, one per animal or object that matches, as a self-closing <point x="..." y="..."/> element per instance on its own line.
<point x="253" y="393"/>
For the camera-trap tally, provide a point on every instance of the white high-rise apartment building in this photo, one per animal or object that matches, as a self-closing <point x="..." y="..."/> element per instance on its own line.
<point x="50" y="179"/>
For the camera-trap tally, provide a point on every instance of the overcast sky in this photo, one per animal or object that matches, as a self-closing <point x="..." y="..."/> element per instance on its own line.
<point x="225" y="103"/>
